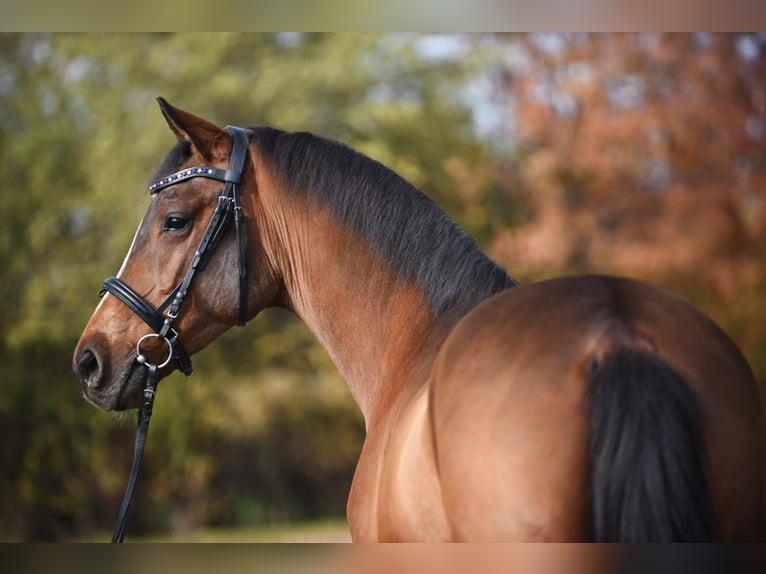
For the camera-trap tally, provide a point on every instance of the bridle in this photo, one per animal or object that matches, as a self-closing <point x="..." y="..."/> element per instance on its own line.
<point x="161" y="318"/>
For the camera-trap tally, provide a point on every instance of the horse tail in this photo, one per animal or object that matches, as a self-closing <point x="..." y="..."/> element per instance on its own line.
<point x="649" y="459"/>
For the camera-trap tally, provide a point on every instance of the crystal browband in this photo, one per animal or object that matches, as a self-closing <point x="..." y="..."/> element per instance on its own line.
<point x="188" y="173"/>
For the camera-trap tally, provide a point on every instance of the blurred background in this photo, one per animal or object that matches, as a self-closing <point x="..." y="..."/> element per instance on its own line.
<point x="640" y="155"/>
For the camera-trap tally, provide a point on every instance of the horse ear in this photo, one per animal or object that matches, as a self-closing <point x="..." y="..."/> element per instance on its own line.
<point x="207" y="138"/>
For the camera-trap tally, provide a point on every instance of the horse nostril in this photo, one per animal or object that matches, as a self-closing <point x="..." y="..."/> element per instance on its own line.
<point x="88" y="367"/>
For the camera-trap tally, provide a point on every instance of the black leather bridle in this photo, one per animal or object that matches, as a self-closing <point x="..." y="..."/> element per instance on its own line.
<point x="161" y="318"/>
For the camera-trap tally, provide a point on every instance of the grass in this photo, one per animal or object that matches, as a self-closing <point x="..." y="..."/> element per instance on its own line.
<point x="331" y="530"/>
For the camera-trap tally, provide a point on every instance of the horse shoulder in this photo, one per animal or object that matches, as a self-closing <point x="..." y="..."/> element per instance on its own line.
<point x="409" y="504"/>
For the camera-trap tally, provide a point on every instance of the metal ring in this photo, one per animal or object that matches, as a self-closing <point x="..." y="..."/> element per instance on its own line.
<point x="141" y="358"/>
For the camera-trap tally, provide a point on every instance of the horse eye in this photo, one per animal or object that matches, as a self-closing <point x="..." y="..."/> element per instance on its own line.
<point x="175" y="222"/>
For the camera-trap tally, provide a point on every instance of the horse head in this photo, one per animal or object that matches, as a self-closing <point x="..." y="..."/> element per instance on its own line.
<point x="184" y="267"/>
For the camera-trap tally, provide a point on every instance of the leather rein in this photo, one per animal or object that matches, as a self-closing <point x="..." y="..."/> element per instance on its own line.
<point x="161" y="318"/>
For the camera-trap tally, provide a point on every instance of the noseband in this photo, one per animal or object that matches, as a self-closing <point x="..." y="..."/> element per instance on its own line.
<point x="161" y="318"/>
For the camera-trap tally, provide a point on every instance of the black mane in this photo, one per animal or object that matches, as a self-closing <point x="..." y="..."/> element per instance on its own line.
<point x="410" y="231"/>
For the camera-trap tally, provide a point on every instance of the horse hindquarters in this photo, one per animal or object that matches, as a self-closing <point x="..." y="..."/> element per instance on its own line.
<point x="515" y="391"/>
<point x="649" y="460"/>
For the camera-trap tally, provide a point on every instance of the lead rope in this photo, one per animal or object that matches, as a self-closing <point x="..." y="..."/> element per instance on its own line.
<point x="144" y="414"/>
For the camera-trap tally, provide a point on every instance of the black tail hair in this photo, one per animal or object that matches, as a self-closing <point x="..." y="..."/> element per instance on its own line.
<point x="649" y="459"/>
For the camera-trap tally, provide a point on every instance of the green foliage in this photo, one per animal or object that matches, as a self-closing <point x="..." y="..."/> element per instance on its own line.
<point x="265" y="431"/>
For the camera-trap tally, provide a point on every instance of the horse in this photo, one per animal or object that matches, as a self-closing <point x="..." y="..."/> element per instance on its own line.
<point x="586" y="408"/>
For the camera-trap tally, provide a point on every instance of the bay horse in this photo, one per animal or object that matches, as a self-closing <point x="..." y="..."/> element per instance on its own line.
<point x="572" y="409"/>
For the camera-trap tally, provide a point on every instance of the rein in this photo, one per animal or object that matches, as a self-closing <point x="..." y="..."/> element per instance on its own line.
<point x="161" y="319"/>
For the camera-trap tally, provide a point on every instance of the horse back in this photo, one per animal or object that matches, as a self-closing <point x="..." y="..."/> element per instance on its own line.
<point x="509" y="407"/>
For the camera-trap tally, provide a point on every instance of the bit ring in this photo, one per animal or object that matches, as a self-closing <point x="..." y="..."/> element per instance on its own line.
<point x="141" y="358"/>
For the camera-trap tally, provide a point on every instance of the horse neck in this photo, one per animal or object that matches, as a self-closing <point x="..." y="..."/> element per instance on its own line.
<point x="377" y="328"/>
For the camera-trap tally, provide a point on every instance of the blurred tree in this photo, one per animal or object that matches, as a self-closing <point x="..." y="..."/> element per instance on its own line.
<point x="644" y="155"/>
<point x="640" y="155"/>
